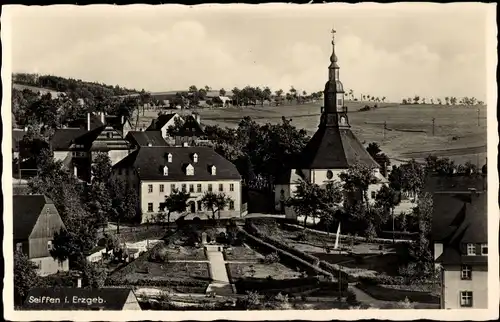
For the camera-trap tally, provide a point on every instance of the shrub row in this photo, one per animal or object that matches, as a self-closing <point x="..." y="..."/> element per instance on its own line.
<point x="287" y="258"/>
<point x="336" y="270"/>
<point x="382" y="279"/>
<point x="389" y="294"/>
<point x="279" y="244"/>
<point x="157" y="283"/>
<point x="288" y="286"/>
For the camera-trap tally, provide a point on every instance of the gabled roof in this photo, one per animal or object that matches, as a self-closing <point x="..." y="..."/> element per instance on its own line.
<point x="191" y="127"/>
<point x="95" y="123"/>
<point x="159" y="122"/>
<point x="143" y="138"/>
<point x="64" y="138"/>
<point x="334" y="148"/>
<point x="26" y="210"/>
<point x="459" y="218"/>
<point x="149" y="163"/>
<point x="113" y="298"/>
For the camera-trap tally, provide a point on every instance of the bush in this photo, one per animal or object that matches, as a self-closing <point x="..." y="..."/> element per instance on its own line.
<point x="351" y="298"/>
<point x="158" y="255"/>
<point x="271" y="258"/>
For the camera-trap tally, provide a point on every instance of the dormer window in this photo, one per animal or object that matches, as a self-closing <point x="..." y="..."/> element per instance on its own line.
<point x="165" y="171"/>
<point x="195" y="158"/>
<point x="213" y="170"/>
<point x="471" y="250"/>
<point x="169" y="157"/>
<point x="190" y="170"/>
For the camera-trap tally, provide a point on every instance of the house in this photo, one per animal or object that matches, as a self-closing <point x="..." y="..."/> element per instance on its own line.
<point x="35" y="221"/>
<point x="460" y="248"/>
<point x="145" y="138"/>
<point x="157" y="171"/>
<point x="190" y="132"/>
<point x="77" y="145"/>
<point x="331" y="151"/>
<point x="81" y="299"/>
<point x="163" y="122"/>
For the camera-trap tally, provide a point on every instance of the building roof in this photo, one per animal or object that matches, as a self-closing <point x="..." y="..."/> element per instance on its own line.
<point x="17" y="136"/>
<point x="149" y="163"/>
<point x="191" y="127"/>
<point x="95" y="123"/>
<point x="334" y="148"/>
<point x="113" y="298"/>
<point x="158" y="123"/>
<point x="26" y="210"/>
<point x="64" y="138"/>
<point x="459" y="218"/>
<point x="143" y="138"/>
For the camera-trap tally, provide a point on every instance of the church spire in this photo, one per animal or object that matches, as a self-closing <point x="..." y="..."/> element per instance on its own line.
<point x="334" y="112"/>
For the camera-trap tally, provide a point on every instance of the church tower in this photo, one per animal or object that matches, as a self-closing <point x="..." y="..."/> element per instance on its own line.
<point x="334" y="112"/>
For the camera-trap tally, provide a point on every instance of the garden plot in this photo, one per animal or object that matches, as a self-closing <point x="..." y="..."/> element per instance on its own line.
<point x="242" y="253"/>
<point x="275" y="271"/>
<point x="186" y="253"/>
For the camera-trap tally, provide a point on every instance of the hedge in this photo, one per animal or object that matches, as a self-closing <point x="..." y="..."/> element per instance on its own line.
<point x="286" y="257"/>
<point x="286" y="285"/>
<point x="382" y="279"/>
<point x="389" y="294"/>
<point x="158" y="283"/>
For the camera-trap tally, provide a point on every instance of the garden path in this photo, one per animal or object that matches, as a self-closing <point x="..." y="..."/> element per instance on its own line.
<point x="220" y="284"/>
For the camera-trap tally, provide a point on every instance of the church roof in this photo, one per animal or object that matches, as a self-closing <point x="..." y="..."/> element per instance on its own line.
<point x="335" y="148"/>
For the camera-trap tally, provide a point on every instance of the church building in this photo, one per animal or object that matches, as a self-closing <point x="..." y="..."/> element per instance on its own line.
<point x="332" y="149"/>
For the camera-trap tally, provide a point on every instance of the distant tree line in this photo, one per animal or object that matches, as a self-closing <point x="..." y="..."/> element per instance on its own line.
<point x="448" y="100"/>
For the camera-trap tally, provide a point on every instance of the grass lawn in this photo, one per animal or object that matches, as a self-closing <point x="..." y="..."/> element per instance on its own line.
<point x="242" y="253"/>
<point x="277" y="271"/>
<point x="176" y="252"/>
<point x="143" y="269"/>
<point x="455" y="126"/>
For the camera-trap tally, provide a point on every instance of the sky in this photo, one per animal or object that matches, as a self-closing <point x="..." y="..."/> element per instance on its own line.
<point x="386" y="50"/>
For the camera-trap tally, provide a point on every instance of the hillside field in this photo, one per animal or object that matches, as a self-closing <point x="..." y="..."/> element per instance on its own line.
<point x="457" y="134"/>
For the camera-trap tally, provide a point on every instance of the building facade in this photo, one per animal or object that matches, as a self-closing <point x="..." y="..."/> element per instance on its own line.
<point x="332" y="149"/>
<point x="36" y="220"/>
<point x="155" y="172"/>
<point x="460" y="247"/>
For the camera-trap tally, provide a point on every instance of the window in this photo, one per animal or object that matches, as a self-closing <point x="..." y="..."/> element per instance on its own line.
<point x="231" y="205"/>
<point x="191" y="188"/>
<point x="150" y="207"/>
<point x="195" y="157"/>
<point x="49" y="244"/>
<point x="172" y="187"/>
<point x="339" y="102"/>
<point x="213" y="170"/>
<point x="221" y="187"/>
<point x="165" y="171"/>
<point x="150" y="188"/>
<point x="209" y="187"/>
<point x="231" y="187"/>
<point x="466" y="273"/>
<point x="373" y="194"/>
<point x="484" y="249"/>
<point x="466" y="298"/>
<point x="198" y="187"/>
<point x="329" y="174"/>
<point x="199" y="205"/>
<point x="183" y="187"/>
<point x="162" y="188"/>
<point x="471" y="249"/>
<point x="190" y="170"/>
<point x="169" y="157"/>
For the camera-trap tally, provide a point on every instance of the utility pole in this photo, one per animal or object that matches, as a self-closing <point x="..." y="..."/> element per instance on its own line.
<point x="433" y="123"/>
<point x="385" y="128"/>
<point x="478" y="110"/>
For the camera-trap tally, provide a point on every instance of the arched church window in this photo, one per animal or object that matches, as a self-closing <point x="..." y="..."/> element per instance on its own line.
<point x="329" y="174"/>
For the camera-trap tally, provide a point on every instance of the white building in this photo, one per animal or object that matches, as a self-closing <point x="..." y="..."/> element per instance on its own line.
<point x="156" y="171"/>
<point x="332" y="149"/>
<point x="163" y="122"/>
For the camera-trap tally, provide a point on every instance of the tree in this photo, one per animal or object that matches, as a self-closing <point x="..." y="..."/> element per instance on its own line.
<point x="93" y="275"/>
<point x="175" y="202"/>
<point x="416" y="99"/>
<point x="381" y="158"/>
<point x="420" y="248"/>
<point x="386" y="200"/>
<point x="412" y="177"/>
<point x="222" y="92"/>
<point x="447" y="100"/>
<point x="306" y="200"/>
<point x="358" y="178"/>
<point x="215" y="202"/>
<point x="25" y="276"/>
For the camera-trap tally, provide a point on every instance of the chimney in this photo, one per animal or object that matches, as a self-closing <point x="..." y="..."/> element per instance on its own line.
<point x="75" y="171"/>
<point x="103" y="120"/>
<point x="88" y="121"/>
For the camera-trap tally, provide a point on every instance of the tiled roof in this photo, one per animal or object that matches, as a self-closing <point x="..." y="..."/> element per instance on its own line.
<point x="334" y="148"/>
<point x="113" y="298"/>
<point x="459" y="218"/>
<point x="95" y="123"/>
<point x="63" y="138"/>
<point x="143" y="138"/>
<point x="159" y="122"/>
<point x="191" y="127"/>
<point x="149" y="163"/>
<point x="26" y="210"/>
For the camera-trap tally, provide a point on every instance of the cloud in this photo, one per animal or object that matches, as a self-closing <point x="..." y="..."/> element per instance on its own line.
<point x="161" y="54"/>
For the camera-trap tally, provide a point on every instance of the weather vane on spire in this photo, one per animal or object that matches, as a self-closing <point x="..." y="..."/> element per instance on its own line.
<point x="333" y="34"/>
